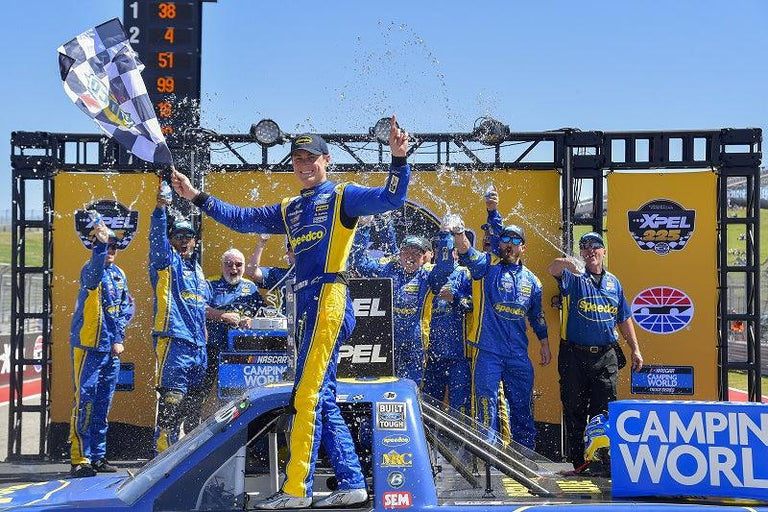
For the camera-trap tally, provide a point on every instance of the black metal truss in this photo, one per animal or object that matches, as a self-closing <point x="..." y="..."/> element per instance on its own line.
<point x="580" y="156"/>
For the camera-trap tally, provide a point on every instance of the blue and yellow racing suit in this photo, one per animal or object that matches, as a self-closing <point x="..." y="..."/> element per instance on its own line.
<point x="503" y="296"/>
<point x="320" y="224"/>
<point x="104" y="308"/>
<point x="181" y="293"/>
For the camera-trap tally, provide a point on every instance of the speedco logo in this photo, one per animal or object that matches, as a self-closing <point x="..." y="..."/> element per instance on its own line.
<point x="115" y="216"/>
<point x="394" y="441"/>
<point x="590" y="309"/>
<point x="507" y="310"/>
<point x="192" y="296"/>
<point x="307" y="238"/>
<point x="661" y="226"/>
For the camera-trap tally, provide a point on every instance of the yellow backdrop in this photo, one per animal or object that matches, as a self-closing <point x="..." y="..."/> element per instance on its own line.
<point x="692" y="270"/>
<point x="528" y="198"/>
<point x="73" y="191"/>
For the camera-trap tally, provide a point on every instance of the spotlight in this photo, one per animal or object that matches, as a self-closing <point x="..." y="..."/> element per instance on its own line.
<point x="490" y="131"/>
<point x="267" y="133"/>
<point x="381" y="130"/>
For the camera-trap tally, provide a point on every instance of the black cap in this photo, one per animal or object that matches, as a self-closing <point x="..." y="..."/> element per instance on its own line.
<point x="513" y="230"/>
<point x="591" y="238"/>
<point x="309" y="142"/>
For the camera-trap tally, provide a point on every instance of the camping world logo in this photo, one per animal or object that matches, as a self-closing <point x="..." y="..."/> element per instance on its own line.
<point x="115" y="215"/>
<point x="661" y="226"/>
<point x="662" y="309"/>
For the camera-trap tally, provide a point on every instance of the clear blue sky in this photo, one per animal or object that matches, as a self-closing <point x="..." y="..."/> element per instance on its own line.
<point x="339" y="66"/>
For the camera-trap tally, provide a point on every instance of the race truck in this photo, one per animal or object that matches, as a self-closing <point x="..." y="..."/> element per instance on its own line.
<point x="417" y="455"/>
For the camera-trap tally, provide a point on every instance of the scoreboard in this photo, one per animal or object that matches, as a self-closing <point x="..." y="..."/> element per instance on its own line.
<point x="167" y="37"/>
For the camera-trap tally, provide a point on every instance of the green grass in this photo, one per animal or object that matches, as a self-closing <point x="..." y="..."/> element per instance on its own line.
<point x="738" y="380"/>
<point x="33" y="247"/>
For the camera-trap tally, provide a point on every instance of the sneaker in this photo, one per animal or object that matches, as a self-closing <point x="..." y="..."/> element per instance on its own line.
<point x="281" y="500"/>
<point x="103" y="466"/>
<point x="82" y="470"/>
<point x="342" y="498"/>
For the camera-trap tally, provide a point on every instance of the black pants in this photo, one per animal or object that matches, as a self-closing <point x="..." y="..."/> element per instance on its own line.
<point x="587" y="384"/>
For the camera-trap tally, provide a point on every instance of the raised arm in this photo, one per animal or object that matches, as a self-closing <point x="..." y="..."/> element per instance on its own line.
<point x="253" y="269"/>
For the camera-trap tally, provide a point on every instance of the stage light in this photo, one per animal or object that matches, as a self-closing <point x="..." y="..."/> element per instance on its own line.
<point x="381" y="130"/>
<point x="490" y="131"/>
<point x="267" y="133"/>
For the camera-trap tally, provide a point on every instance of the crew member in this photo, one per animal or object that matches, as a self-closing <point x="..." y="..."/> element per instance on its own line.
<point x="506" y="292"/>
<point x="181" y="295"/>
<point x="104" y="309"/>
<point x="592" y="307"/>
<point x="320" y="223"/>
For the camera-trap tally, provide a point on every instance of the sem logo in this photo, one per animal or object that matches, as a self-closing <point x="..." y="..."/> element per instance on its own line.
<point x="397" y="499"/>
<point x="662" y="309"/>
<point x="395" y="479"/>
<point x="661" y="226"/>
<point x="115" y="215"/>
<point x="368" y="307"/>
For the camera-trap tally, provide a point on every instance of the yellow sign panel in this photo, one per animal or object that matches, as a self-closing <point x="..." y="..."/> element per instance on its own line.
<point x="132" y="196"/>
<point x="528" y="198"/>
<point x="662" y="239"/>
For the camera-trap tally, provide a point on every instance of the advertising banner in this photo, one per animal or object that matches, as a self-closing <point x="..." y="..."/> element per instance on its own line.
<point x="688" y="449"/>
<point x="662" y="245"/>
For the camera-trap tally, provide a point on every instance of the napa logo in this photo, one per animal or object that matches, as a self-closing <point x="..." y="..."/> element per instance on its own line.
<point x="192" y="297"/>
<point x="509" y="310"/>
<point x="115" y="215"/>
<point x="307" y="237"/>
<point x="595" y="310"/>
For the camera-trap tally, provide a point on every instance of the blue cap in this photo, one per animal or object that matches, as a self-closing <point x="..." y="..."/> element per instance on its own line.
<point x="417" y="241"/>
<point x="513" y="230"/>
<point x="183" y="226"/>
<point x="309" y="142"/>
<point x="591" y="238"/>
<point x="485" y="227"/>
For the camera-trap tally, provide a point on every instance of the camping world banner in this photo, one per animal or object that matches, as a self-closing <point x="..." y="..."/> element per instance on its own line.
<point x="102" y="76"/>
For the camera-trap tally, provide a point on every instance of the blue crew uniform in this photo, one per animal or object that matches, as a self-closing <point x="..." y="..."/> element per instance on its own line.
<point x="448" y="363"/>
<point x="503" y="296"/>
<point x="181" y="293"/>
<point x="104" y="309"/>
<point x="591" y="307"/>
<point x="243" y="298"/>
<point x="412" y="304"/>
<point x="320" y="224"/>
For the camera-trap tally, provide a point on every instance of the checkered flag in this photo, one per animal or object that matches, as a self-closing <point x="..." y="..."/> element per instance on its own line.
<point x="102" y="76"/>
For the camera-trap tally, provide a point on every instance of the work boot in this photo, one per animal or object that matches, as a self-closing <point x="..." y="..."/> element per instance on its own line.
<point x="281" y="500"/>
<point x="342" y="498"/>
<point x="103" y="466"/>
<point x="82" y="470"/>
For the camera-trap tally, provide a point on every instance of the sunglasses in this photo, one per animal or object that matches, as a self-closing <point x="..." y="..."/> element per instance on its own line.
<point x="514" y="240"/>
<point x="591" y="245"/>
<point x="236" y="264"/>
<point x="184" y="237"/>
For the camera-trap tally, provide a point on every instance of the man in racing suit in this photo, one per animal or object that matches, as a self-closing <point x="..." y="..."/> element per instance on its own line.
<point x="320" y="224"/>
<point x="506" y="292"/>
<point x="447" y="359"/>
<point x="104" y="308"/>
<point x="181" y="294"/>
